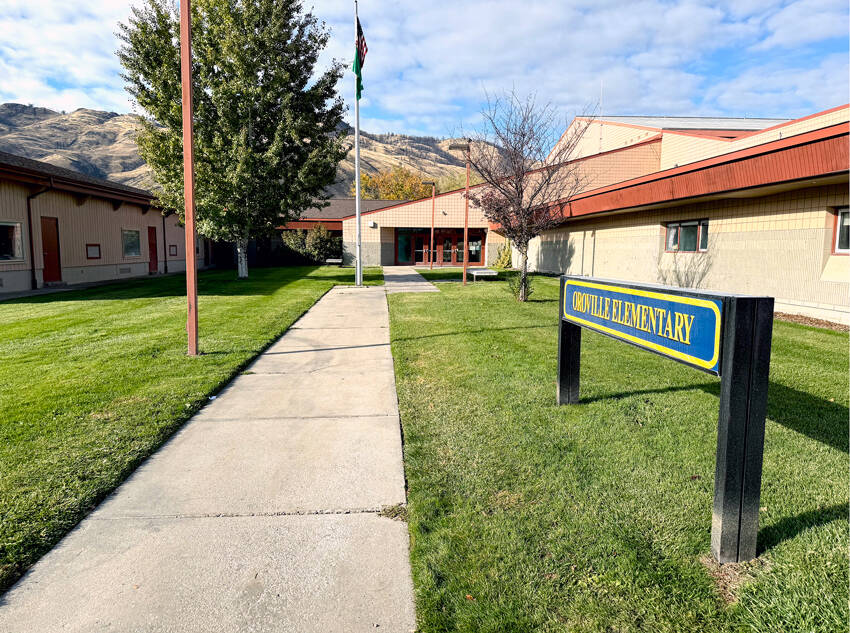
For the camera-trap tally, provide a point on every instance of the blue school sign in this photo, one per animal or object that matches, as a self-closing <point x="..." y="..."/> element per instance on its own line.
<point x="686" y="328"/>
<point x="723" y="334"/>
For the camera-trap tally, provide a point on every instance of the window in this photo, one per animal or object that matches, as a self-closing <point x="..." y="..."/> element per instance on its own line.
<point x="687" y="237"/>
<point x="842" y="231"/>
<point x="92" y="251"/>
<point x="11" y="244"/>
<point x="172" y="249"/>
<point x="131" y="242"/>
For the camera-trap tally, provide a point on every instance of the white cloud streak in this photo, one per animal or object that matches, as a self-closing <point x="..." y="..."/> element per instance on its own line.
<point x="429" y="64"/>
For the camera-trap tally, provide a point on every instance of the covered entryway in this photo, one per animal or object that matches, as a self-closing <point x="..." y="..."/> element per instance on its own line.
<point x="413" y="247"/>
<point x="50" y="250"/>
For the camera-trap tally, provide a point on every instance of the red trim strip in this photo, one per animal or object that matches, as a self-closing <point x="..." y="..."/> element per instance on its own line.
<point x="807" y="155"/>
<point x="653" y="139"/>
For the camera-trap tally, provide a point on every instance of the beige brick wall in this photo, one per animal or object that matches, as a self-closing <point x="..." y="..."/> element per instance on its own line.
<point x="600" y="137"/>
<point x="777" y="245"/>
<point x="677" y="149"/>
<point x="92" y="222"/>
<point x="449" y="209"/>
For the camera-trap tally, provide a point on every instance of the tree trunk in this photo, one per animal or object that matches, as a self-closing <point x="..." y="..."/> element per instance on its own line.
<point x="242" y="258"/>
<point x="523" y="276"/>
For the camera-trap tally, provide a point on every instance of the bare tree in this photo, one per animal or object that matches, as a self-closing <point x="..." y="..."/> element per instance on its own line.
<point x="524" y="162"/>
<point x="687" y="269"/>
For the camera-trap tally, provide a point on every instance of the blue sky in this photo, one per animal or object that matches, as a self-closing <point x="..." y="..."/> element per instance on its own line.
<point x="430" y="64"/>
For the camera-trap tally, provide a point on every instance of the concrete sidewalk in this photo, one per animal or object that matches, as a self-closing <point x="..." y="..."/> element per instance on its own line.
<point x="406" y="279"/>
<point x="261" y="514"/>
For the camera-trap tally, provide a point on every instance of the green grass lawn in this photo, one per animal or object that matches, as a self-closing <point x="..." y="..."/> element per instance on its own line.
<point x="525" y="516"/>
<point x="452" y="274"/>
<point x="93" y="381"/>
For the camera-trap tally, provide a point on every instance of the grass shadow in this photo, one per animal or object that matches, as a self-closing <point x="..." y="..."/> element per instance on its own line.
<point x="474" y="331"/>
<point x="219" y="283"/>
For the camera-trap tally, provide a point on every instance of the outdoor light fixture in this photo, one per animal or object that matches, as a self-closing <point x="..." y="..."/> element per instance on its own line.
<point x="431" y="243"/>
<point x="465" y="148"/>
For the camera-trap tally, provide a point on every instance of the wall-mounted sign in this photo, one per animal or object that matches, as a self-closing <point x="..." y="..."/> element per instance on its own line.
<point x="726" y="335"/>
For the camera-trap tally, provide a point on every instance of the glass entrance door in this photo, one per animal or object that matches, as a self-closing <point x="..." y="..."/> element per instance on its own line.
<point x="404" y="248"/>
<point x="420" y="249"/>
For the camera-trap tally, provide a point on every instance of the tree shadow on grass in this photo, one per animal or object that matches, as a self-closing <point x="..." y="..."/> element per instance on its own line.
<point x="218" y="283"/>
<point x="814" y="417"/>
<point x="473" y="331"/>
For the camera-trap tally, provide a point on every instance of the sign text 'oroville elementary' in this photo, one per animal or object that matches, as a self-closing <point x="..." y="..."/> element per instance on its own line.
<point x="683" y="327"/>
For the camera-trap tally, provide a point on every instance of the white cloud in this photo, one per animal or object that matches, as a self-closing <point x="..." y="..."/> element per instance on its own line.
<point x="804" y="22"/>
<point x="429" y="64"/>
<point x="772" y="90"/>
<point x="61" y="56"/>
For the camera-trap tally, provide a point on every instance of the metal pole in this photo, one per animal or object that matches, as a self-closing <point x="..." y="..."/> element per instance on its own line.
<point x="358" y="266"/>
<point x="431" y="247"/>
<point x="189" y="177"/>
<point x="466" y="221"/>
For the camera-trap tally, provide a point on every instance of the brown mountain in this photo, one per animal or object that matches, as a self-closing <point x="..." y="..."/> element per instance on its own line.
<point x="101" y="144"/>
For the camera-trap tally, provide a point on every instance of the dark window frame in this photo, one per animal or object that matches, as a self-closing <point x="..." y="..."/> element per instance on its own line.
<point x="19" y="243"/>
<point x="124" y="254"/>
<point x="702" y="226"/>
<point x="835" y="231"/>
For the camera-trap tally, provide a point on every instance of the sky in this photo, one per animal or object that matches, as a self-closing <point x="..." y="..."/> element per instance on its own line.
<point x="431" y="65"/>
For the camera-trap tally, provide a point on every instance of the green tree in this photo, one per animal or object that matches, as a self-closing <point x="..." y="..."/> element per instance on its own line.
<point x="321" y="245"/>
<point x="266" y="123"/>
<point x="397" y="183"/>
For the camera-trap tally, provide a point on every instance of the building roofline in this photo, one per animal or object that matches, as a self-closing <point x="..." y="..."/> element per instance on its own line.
<point x="646" y="141"/>
<point x="706" y="133"/>
<point x="770" y="148"/>
<point x="63" y="179"/>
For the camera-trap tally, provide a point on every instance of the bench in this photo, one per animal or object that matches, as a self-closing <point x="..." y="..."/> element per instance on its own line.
<point x="482" y="272"/>
<point x="334" y="261"/>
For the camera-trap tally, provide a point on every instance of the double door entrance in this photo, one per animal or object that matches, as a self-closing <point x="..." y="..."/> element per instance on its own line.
<point x="413" y="247"/>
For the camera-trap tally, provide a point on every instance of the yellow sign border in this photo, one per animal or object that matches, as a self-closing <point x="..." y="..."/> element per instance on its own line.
<point x="703" y="303"/>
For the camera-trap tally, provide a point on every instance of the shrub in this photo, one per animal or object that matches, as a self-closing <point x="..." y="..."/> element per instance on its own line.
<point x="313" y="246"/>
<point x="503" y="257"/>
<point x="514" y="285"/>
<point x="321" y="245"/>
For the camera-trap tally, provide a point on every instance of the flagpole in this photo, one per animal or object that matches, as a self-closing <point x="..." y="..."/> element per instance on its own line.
<point x="358" y="270"/>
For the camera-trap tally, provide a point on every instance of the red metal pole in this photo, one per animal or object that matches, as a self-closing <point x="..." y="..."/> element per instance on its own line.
<point x="466" y="221"/>
<point x="433" y="205"/>
<point x="189" y="177"/>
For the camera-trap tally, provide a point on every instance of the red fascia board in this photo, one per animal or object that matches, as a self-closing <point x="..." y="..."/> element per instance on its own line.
<point x="65" y="184"/>
<point x="308" y="223"/>
<point x="808" y="155"/>
<point x="653" y="139"/>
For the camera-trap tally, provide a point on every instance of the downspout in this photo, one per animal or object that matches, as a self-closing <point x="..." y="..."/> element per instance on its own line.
<point x="30" y="198"/>
<point x="164" y="248"/>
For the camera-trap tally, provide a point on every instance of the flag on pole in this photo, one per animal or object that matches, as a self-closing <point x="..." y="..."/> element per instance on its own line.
<point x="359" y="57"/>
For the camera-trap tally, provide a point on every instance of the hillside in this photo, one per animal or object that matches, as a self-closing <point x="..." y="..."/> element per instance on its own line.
<point x="101" y="144"/>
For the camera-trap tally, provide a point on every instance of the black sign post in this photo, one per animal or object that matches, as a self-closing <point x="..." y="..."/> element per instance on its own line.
<point x="725" y="335"/>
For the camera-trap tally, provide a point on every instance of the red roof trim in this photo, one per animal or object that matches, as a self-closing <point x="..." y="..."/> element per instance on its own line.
<point x="61" y="183"/>
<point x="309" y="223"/>
<point x="806" y="155"/>
<point x="653" y="139"/>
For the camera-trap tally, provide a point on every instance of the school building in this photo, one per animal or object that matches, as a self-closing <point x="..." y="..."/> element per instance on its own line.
<point x="739" y="205"/>
<point x="59" y="227"/>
